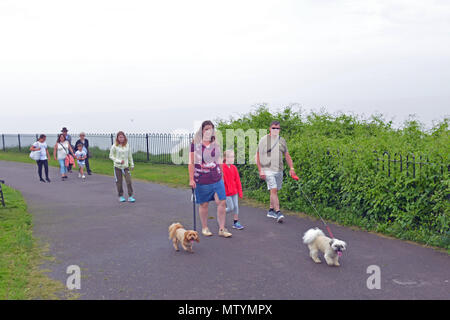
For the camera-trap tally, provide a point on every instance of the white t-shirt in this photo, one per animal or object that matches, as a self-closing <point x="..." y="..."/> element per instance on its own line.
<point x="43" y="150"/>
<point x="84" y="148"/>
<point x="80" y="154"/>
<point x="63" y="149"/>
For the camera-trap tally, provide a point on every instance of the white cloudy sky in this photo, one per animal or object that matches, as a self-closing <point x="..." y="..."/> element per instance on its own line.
<point x="147" y="66"/>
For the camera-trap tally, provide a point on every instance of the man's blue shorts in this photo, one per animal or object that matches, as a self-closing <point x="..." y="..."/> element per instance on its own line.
<point x="205" y="192"/>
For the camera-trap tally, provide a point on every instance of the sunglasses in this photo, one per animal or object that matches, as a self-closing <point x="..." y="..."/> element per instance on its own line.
<point x="276" y="128"/>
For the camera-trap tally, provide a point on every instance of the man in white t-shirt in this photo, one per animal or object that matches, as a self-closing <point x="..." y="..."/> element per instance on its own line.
<point x="41" y="146"/>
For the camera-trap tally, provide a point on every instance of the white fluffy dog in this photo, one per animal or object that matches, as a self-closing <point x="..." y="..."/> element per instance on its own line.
<point x="331" y="248"/>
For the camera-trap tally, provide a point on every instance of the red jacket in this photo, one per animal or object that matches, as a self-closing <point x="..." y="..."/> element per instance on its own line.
<point x="232" y="180"/>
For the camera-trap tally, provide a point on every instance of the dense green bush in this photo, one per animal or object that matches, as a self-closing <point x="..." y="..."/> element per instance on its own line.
<point x="336" y="156"/>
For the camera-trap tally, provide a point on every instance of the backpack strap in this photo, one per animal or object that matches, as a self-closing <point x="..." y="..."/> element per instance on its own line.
<point x="65" y="150"/>
<point x="274" y="145"/>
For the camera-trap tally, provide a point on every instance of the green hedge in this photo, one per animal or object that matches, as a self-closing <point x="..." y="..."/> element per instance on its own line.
<point x="335" y="158"/>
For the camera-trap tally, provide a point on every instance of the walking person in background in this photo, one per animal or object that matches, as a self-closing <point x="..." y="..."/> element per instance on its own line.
<point x="81" y="156"/>
<point x="68" y="138"/>
<point x="120" y="154"/>
<point x="205" y="177"/>
<point x="85" y="142"/>
<point x="60" y="152"/>
<point x="269" y="159"/>
<point x="233" y="187"/>
<point x="41" y="146"/>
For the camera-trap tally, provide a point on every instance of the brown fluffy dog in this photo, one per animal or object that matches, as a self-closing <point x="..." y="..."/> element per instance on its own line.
<point x="178" y="234"/>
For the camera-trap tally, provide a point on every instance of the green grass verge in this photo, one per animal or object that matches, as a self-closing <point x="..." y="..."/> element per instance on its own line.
<point x="21" y="277"/>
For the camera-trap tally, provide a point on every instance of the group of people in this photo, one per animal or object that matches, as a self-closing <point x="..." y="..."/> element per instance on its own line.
<point x="215" y="178"/>
<point x="64" y="153"/>
<point x="212" y="176"/>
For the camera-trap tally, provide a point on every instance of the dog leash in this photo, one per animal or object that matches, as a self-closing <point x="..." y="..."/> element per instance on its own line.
<point x="304" y="194"/>
<point x="193" y="205"/>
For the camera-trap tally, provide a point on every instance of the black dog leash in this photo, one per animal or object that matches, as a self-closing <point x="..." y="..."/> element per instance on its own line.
<point x="193" y="206"/>
<point x="323" y="221"/>
<point x="314" y="207"/>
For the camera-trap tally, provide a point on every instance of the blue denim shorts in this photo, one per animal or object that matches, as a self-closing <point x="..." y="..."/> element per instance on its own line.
<point x="205" y="192"/>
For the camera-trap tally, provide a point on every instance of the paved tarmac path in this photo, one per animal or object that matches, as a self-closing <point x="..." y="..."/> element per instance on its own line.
<point x="124" y="252"/>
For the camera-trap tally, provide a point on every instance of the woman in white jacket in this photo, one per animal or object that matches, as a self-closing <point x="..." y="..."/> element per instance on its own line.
<point x="122" y="157"/>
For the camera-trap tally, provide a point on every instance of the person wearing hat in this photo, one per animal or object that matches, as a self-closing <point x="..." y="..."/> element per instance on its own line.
<point x="69" y="139"/>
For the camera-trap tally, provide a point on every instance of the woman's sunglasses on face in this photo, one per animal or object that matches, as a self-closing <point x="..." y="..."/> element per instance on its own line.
<point x="273" y="128"/>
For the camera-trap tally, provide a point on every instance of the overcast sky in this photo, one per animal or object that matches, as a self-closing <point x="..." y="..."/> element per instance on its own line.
<point x="149" y="66"/>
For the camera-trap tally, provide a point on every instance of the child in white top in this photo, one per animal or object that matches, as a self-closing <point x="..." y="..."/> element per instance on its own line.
<point x="81" y="157"/>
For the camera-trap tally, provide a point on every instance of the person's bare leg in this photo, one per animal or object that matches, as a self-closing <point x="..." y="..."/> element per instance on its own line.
<point x="203" y="211"/>
<point x="221" y="213"/>
<point x="271" y="200"/>
<point x="274" y="202"/>
<point x="217" y="201"/>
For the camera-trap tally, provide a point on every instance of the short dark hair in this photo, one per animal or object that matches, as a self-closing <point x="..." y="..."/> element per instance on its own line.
<point x="275" y="122"/>
<point x="42" y="136"/>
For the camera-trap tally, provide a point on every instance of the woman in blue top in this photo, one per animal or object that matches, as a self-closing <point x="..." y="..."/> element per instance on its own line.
<point x="205" y="176"/>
